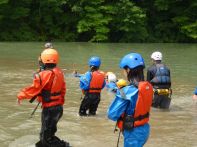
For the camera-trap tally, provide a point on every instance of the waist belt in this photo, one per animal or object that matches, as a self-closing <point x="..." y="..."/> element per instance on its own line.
<point x="95" y="88"/>
<point x="140" y="117"/>
<point x="162" y="91"/>
<point x="129" y="121"/>
<point x="56" y="93"/>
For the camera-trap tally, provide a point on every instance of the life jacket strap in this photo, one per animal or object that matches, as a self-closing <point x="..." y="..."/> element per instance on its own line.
<point x="56" y="93"/>
<point x="141" y="117"/>
<point x="95" y="88"/>
<point x="47" y="95"/>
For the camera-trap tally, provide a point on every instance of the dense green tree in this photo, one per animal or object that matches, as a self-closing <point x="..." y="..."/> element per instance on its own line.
<point x="99" y="20"/>
<point x="171" y="21"/>
<point x="129" y="23"/>
<point x="117" y="21"/>
<point x="93" y="20"/>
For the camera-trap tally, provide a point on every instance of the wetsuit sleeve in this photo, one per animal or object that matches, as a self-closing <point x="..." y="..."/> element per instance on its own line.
<point x="63" y="91"/>
<point x="117" y="108"/>
<point x="170" y="77"/>
<point x="31" y="91"/>
<point x="124" y="101"/>
<point x="77" y="75"/>
<point x="35" y="89"/>
<point x="111" y="87"/>
<point x="85" y="81"/>
<point x="149" y="75"/>
<point x="104" y="83"/>
<point x="195" y="92"/>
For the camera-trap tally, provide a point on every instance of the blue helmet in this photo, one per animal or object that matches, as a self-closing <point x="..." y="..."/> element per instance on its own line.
<point x="94" y="61"/>
<point x="132" y="60"/>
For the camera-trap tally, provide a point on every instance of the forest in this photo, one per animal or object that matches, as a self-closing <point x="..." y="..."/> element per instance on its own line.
<point x="99" y="20"/>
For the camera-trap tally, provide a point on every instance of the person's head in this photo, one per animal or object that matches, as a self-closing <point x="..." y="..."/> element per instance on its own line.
<point x="48" y="45"/>
<point x="50" y="58"/>
<point x="108" y="74"/>
<point x="156" y="57"/>
<point x="111" y="77"/>
<point x="94" y="63"/>
<point x="133" y="66"/>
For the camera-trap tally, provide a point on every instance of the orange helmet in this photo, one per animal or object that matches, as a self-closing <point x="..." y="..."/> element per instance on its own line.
<point x="49" y="56"/>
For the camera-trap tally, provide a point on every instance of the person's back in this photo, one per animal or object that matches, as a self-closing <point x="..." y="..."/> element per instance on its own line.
<point x="91" y="84"/>
<point x="159" y="76"/>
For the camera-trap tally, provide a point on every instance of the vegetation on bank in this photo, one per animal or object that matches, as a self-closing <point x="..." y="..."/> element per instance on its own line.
<point x="99" y="20"/>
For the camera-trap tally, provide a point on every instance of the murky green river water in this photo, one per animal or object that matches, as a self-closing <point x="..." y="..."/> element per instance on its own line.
<point x="18" y="61"/>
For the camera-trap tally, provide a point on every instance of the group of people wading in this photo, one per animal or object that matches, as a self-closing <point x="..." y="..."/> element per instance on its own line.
<point x="130" y="107"/>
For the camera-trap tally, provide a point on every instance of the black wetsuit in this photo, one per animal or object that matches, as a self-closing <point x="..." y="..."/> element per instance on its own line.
<point x="50" y="118"/>
<point x="159" y="76"/>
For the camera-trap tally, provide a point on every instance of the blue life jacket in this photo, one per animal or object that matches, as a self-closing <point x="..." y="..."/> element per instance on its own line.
<point x="162" y="75"/>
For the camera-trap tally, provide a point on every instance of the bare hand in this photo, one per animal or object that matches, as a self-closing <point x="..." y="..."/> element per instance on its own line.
<point x="194" y="97"/>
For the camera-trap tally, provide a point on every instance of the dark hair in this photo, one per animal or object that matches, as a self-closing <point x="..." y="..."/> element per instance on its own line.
<point x="136" y="74"/>
<point x="94" y="68"/>
<point x="50" y="65"/>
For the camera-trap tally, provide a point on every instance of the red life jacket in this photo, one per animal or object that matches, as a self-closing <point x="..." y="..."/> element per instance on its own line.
<point x="143" y="106"/>
<point x="53" y="88"/>
<point x="96" y="83"/>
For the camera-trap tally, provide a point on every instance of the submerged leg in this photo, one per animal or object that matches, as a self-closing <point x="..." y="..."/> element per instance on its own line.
<point x="84" y="106"/>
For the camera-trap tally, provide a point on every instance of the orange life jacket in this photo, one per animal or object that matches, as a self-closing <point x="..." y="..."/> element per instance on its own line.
<point x="143" y="106"/>
<point x="54" y="88"/>
<point x="96" y="83"/>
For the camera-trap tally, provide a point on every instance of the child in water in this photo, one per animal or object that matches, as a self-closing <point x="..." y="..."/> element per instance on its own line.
<point x="112" y="84"/>
<point x="132" y="103"/>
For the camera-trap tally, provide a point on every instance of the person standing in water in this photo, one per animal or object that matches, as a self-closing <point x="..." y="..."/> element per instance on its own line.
<point x="49" y="88"/>
<point x="132" y="103"/>
<point x="195" y="94"/>
<point x="159" y="76"/>
<point x="91" y="84"/>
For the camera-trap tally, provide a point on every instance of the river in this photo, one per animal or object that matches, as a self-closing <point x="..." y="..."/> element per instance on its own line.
<point x="176" y="127"/>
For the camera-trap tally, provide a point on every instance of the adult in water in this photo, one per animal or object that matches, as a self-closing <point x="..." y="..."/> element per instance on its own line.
<point x="159" y="76"/>
<point x="132" y="103"/>
<point x="91" y="84"/>
<point x="49" y="88"/>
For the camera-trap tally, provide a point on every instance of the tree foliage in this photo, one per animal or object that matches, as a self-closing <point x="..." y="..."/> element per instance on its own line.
<point x="99" y="20"/>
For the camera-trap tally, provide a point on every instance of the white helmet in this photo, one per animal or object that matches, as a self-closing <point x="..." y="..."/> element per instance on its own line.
<point x="48" y="45"/>
<point x="156" y="56"/>
<point x="112" y="77"/>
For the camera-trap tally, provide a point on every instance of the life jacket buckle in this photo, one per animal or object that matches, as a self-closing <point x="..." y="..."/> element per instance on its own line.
<point x="128" y="122"/>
